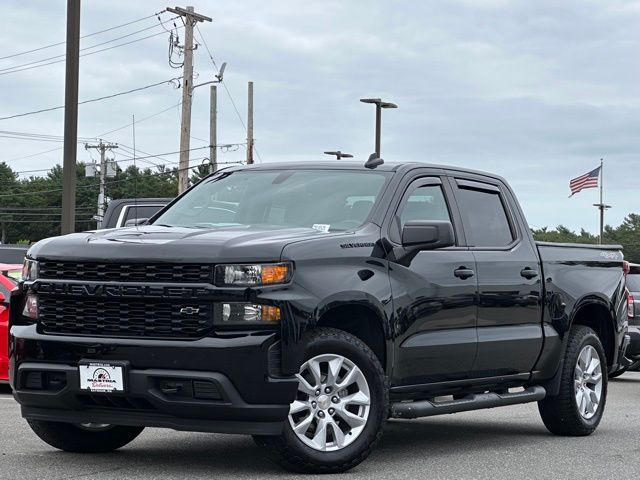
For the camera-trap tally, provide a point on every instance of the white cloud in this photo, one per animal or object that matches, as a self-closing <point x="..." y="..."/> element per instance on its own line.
<point x="535" y="91"/>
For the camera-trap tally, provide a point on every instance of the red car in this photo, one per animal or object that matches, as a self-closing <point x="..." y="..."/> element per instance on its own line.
<point x="9" y="276"/>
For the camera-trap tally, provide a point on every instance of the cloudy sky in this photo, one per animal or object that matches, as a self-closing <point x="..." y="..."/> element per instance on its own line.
<point x="536" y="91"/>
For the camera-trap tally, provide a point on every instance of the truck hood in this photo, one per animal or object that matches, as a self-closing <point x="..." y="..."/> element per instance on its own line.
<point x="174" y="244"/>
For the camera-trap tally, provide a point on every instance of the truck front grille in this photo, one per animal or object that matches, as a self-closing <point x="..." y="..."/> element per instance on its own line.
<point x="126" y="272"/>
<point x="124" y="317"/>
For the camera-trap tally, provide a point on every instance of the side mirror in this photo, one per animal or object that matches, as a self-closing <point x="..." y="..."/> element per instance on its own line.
<point x="3" y="299"/>
<point x="135" y="221"/>
<point x="427" y="234"/>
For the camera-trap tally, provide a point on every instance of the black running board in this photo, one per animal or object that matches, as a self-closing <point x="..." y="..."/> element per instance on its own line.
<point x="428" y="408"/>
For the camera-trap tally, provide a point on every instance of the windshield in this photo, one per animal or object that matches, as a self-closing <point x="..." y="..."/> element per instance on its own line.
<point x="327" y="200"/>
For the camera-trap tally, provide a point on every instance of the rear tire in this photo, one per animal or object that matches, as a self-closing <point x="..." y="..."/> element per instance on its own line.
<point x="353" y="424"/>
<point x="79" y="439"/>
<point x="578" y="408"/>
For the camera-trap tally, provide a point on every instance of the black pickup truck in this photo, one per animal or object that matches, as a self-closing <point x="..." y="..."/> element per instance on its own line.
<point x="307" y="304"/>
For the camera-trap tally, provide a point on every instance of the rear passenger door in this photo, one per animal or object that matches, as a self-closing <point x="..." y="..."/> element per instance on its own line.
<point x="509" y="306"/>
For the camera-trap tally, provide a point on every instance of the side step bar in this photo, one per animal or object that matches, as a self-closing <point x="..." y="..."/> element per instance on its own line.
<point x="428" y="408"/>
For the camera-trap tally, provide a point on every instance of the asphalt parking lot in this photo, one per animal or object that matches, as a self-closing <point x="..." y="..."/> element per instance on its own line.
<point x="505" y="443"/>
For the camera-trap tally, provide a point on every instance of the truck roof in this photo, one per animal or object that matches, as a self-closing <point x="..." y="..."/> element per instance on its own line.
<point x="340" y="165"/>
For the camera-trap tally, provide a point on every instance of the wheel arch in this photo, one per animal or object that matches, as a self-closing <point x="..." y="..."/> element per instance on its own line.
<point x="361" y="319"/>
<point x="597" y="314"/>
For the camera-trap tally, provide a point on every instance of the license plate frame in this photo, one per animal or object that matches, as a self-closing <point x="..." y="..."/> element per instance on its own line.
<point x="98" y="377"/>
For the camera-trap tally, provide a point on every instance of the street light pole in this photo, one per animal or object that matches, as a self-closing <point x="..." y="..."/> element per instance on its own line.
<point x="379" y="106"/>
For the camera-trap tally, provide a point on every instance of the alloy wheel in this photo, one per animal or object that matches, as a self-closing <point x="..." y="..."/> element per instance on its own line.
<point x="588" y="382"/>
<point x="332" y="403"/>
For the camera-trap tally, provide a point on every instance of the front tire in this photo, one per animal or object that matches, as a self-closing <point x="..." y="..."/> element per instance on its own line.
<point x="340" y="408"/>
<point x="578" y="408"/>
<point x="86" y="438"/>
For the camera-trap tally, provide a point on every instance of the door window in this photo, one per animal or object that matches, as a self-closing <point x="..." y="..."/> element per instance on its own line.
<point x="485" y="219"/>
<point x="425" y="203"/>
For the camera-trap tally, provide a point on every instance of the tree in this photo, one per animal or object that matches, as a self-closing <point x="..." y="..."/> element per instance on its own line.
<point x="30" y="208"/>
<point x="626" y="234"/>
<point x="8" y="182"/>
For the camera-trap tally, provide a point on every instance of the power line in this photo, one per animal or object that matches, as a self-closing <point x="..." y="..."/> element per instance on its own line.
<point x="166" y="153"/>
<point x="173" y="171"/>
<point x="129" y="150"/>
<point x="130" y="158"/>
<point x="83" y="36"/>
<point x="32" y="155"/>
<point x="215" y="65"/>
<point x="89" y="138"/>
<point x="34" y="137"/>
<point x="62" y="56"/>
<point x="92" y="100"/>
<point x="26" y="66"/>
<point x="138" y="121"/>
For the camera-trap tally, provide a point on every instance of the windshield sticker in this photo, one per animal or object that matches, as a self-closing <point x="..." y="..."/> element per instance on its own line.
<point x="321" y="227"/>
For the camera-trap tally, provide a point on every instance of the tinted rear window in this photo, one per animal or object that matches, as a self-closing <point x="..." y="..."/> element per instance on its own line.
<point x="141" y="211"/>
<point x="633" y="283"/>
<point x="485" y="220"/>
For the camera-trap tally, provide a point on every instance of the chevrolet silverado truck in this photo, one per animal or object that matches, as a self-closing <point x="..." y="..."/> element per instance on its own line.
<point x="306" y="304"/>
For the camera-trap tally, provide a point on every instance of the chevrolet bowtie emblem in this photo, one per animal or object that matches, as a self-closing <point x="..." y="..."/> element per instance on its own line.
<point x="189" y="310"/>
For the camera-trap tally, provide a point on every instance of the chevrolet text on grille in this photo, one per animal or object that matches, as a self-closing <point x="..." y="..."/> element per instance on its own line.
<point x="102" y="290"/>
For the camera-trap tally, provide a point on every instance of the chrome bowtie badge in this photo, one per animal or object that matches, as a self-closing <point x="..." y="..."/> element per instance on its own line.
<point x="189" y="310"/>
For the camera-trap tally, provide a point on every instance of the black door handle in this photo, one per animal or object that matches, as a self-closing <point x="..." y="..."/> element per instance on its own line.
<point x="528" y="273"/>
<point x="464" y="273"/>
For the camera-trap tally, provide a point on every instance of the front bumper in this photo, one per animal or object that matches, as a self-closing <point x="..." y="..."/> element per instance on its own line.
<point x="226" y="384"/>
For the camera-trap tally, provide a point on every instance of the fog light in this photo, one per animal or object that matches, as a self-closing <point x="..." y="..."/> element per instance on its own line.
<point x="244" y="313"/>
<point x="30" y="309"/>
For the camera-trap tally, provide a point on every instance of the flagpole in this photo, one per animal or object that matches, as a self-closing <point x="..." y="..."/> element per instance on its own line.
<point x="601" y="203"/>
<point x="601" y="206"/>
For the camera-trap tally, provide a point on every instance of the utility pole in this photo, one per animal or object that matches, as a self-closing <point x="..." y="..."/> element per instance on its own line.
<point x="250" y="125"/>
<point x="213" y="134"/>
<point x="68" y="219"/>
<point x="190" y="18"/>
<point x="102" y="148"/>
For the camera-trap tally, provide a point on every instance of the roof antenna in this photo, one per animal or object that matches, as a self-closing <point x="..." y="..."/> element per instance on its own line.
<point x="373" y="161"/>
<point x="338" y="154"/>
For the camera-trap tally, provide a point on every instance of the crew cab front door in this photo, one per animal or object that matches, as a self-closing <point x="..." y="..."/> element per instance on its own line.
<point x="508" y="271"/>
<point x="434" y="295"/>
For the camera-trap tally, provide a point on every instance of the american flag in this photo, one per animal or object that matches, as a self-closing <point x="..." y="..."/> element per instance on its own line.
<point x="588" y="180"/>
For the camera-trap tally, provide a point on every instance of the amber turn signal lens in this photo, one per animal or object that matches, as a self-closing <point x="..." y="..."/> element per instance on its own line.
<point x="275" y="274"/>
<point x="270" y="314"/>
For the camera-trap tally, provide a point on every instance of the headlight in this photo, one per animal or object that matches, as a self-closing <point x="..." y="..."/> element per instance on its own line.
<point x="29" y="270"/>
<point x="248" y="313"/>
<point x="253" y="275"/>
<point x="31" y="307"/>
